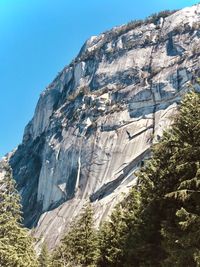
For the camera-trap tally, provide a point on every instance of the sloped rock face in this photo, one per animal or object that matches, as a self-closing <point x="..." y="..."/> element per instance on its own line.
<point x="94" y="124"/>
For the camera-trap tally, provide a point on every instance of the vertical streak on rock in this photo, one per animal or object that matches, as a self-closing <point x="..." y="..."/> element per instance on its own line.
<point x="154" y="48"/>
<point x="79" y="171"/>
<point x="150" y="82"/>
<point x="90" y="162"/>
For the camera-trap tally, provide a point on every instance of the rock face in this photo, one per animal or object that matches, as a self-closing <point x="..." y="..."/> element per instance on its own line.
<point x="94" y="124"/>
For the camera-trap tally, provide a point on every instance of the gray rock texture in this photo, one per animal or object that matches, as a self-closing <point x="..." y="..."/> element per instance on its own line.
<point x="95" y="123"/>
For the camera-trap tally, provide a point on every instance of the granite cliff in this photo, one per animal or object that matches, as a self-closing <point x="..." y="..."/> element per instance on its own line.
<point x="95" y="123"/>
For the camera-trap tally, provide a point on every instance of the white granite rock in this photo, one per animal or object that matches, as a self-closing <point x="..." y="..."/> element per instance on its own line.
<point x="95" y="124"/>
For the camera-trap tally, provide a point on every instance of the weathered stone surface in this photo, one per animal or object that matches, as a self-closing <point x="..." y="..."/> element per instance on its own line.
<point x="94" y="124"/>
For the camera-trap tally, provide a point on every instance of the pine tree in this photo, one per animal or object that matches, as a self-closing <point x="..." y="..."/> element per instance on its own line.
<point x="116" y="234"/>
<point x="169" y="186"/>
<point x="164" y="229"/>
<point x="44" y="257"/>
<point x="111" y="239"/>
<point x="79" y="246"/>
<point x="16" y="245"/>
<point x="182" y="232"/>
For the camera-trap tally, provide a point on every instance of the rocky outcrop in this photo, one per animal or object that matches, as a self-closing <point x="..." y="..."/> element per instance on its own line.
<point x="94" y="124"/>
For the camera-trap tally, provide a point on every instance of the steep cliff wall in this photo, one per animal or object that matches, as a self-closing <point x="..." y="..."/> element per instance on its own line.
<point x="94" y="124"/>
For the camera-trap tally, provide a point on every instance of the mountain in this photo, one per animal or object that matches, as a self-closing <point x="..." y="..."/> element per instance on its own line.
<point x="95" y="123"/>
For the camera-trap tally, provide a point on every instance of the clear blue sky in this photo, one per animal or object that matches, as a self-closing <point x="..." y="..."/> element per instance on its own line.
<point x="39" y="37"/>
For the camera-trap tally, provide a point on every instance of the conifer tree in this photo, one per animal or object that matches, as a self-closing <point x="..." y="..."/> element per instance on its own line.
<point x="169" y="186"/>
<point x="116" y="234"/>
<point x="111" y="239"/>
<point x="44" y="257"/>
<point x="182" y="232"/>
<point x="16" y="245"/>
<point x="79" y="246"/>
<point x="164" y="230"/>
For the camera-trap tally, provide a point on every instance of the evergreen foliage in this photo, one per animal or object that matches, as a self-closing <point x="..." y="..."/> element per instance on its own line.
<point x="16" y="245"/>
<point x="181" y="230"/>
<point x="79" y="246"/>
<point x="114" y="235"/>
<point x="169" y="187"/>
<point x="164" y="229"/>
<point x="44" y="257"/>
